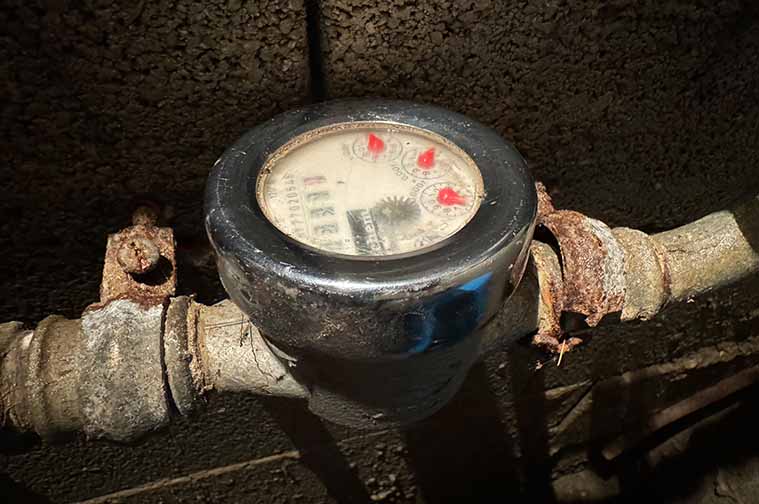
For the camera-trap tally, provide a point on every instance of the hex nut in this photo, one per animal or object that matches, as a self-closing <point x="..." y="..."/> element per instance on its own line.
<point x="138" y="255"/>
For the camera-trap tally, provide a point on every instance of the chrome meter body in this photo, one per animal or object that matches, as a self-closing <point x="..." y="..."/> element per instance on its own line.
<point x="371" y="242"/>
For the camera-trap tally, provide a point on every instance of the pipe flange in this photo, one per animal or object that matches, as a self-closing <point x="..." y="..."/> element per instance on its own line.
<point x="185" y="386"/>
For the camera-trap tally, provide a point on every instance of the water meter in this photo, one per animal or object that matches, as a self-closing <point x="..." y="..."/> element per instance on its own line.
<point x="371" y="242"/>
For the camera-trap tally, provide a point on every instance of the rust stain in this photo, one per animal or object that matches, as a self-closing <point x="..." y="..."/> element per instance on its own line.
<point x="549" y="336"/>
<point x="554" y="345"/>
<point x="551" y="288"/>
<point x="545" y="205"/>
<point x="589" y="280"/>
<point x="149" y="288"/>
<point x="146" y="215"/>
<point x="138" y="255"/>
<point x="592" y="263"/>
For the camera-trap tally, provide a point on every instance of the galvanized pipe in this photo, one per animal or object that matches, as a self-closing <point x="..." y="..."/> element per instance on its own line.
<point x="672" y="266"/>
<point x="711" y="252"/>
<point x="101" y="374"/>
<point x="126" y="367"/>
<point x="234" y="357"/>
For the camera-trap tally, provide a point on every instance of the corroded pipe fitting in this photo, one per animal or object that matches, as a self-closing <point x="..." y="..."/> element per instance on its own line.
<point x="41" y="394"/>
<point x="185" y="377"/>
<point x="102" y="374"/>
<point x="646" y="274"/>
<point x="124" y="369"/>
<point x="604" y="271"/>
<point x="592" y="264"/>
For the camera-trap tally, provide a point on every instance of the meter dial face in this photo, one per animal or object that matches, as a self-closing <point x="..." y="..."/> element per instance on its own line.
<point x="369" y="190"/>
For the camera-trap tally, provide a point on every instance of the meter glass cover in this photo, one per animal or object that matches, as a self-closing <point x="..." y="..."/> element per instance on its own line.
<point x="371" y="190"/>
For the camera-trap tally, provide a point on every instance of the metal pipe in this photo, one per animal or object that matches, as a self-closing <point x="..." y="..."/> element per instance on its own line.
<point x="672" y="266"/>
<point x="711" y="252"/>
<point x="101" y="374"/>
<point x="123" y="369"/>
<point x="235" y="358"/>
<point x="127" y="366"/>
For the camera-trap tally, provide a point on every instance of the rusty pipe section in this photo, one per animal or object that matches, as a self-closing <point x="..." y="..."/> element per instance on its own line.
<point x="136" y="358"/>
<point x="140" y="357"/>
<point x="687" y="261"/>
<point x="596" y="271"/>
<point x="124" y="369"/>
<point x="101" y="374"/>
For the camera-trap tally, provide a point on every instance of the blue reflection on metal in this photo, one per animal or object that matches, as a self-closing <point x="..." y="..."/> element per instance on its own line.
<point x="450" y="316"/>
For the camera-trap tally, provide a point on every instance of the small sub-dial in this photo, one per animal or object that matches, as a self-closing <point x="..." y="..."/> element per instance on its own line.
<point x="374" y="147"/>
<point x="447" y="200"/>
<point x="425" y="163"/>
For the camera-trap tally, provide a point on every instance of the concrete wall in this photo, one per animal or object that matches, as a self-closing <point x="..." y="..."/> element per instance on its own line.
<point x="109" y="103"/>
<point x="641" y="113"/>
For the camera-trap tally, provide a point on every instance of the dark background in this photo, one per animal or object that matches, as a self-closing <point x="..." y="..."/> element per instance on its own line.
<point x="640" y="113"/>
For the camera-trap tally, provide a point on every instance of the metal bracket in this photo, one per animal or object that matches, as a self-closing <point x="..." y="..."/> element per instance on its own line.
<point x="140" y="262"/>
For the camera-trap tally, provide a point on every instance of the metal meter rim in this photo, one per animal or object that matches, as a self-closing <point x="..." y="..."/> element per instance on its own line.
<point x="240" y="231"/>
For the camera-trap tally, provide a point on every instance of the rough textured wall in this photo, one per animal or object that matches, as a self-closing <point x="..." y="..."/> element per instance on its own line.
<point x="599" y="95"/>
<point x="641" y="113"/>
<point x="106" y="103"/>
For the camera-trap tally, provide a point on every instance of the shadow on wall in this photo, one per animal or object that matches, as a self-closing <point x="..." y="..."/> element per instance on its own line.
<point x="468" y="449"/>
<point x="319" y="450"/>
<point x="711" y="452"/>
<point x="464" y="451"/>
<point x="17" y="492"/>
<point x="747" y="218"/>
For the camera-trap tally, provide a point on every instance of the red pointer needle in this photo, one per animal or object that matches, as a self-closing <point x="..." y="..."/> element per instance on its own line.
<point x="426" y="159"/>
<point x="375" y="145"/>
<point x="448" y="196"/>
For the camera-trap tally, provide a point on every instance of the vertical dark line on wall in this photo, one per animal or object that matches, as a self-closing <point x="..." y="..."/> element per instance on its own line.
<point x="313" y="32"/>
